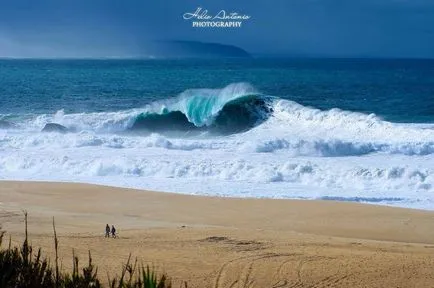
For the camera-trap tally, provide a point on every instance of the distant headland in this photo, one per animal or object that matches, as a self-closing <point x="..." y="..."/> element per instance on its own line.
<point x="195" y="49"/>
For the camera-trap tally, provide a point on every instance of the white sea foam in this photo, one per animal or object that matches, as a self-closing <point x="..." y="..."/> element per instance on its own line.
<point x="297" y="152"/>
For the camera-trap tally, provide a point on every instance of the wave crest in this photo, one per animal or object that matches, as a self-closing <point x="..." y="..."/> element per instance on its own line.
<point x="235" y="108"/>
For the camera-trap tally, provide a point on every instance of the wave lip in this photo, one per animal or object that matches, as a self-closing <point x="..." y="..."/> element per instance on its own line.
<point x="201" y="106"/>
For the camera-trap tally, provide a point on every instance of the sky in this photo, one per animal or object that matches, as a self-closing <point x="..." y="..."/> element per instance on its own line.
<point x="305" y="28"/>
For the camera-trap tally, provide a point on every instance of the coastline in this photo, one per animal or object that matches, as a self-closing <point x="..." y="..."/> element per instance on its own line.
<point x="211" y="241"/>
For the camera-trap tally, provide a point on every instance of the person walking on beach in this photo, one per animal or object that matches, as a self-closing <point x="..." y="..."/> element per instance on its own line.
<point x="113" y="231"/>
<point x="107" y="231"/>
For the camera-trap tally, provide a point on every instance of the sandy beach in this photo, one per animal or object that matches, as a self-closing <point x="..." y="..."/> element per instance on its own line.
<point x="227" y="242"/>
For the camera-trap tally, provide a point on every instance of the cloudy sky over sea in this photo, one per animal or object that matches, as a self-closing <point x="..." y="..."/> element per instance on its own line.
<point x="336" y="28"/>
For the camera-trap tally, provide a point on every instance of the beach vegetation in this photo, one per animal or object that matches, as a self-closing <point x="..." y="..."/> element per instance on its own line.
<point x="25" y="267"/>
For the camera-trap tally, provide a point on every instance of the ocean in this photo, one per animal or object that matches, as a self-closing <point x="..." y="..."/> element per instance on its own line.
<point x="337" y="129"/>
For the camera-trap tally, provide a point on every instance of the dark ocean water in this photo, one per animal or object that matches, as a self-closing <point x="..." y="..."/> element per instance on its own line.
<point x="395" y="90"/>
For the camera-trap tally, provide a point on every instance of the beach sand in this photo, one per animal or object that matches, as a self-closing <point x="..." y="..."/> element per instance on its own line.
<point x="226" y="242"/>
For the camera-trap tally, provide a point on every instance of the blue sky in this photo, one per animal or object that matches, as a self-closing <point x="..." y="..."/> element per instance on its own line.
<point x="331" y="28"/>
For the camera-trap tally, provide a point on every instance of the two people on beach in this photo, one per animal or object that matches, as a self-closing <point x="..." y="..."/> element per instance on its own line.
<point x="108" y="231"/>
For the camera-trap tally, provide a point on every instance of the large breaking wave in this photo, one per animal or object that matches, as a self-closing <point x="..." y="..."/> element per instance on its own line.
<point x="267" y="124"/>
<point x="236" y="108"/>
<point x="206" y="114"/>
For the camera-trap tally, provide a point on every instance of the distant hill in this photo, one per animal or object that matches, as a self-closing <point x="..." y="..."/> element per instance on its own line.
<point x="194" y="49"/>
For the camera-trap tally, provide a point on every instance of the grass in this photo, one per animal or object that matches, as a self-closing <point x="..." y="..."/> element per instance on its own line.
<point x="22" y="267"/>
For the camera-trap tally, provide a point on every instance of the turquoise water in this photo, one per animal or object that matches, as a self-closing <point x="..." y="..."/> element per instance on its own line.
<point x="396" y="90"/>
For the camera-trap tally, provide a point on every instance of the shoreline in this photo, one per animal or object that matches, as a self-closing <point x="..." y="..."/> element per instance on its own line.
<point x="303" y="216"/>
<point x="195" y="238"/>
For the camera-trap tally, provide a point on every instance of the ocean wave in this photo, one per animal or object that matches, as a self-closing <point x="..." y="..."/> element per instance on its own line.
<point x="236" y="108"/>
<point x="332" y="176"/>
<point x="242" y="144"/>
<point x="235" y="118"/>
<point x="337" y="148"/>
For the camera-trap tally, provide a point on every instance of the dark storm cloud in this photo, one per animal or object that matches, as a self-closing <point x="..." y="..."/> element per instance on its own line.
<point x="372" y="28"/>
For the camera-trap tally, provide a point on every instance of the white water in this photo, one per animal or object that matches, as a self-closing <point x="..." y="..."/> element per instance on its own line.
<point x="299" y="152"/>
